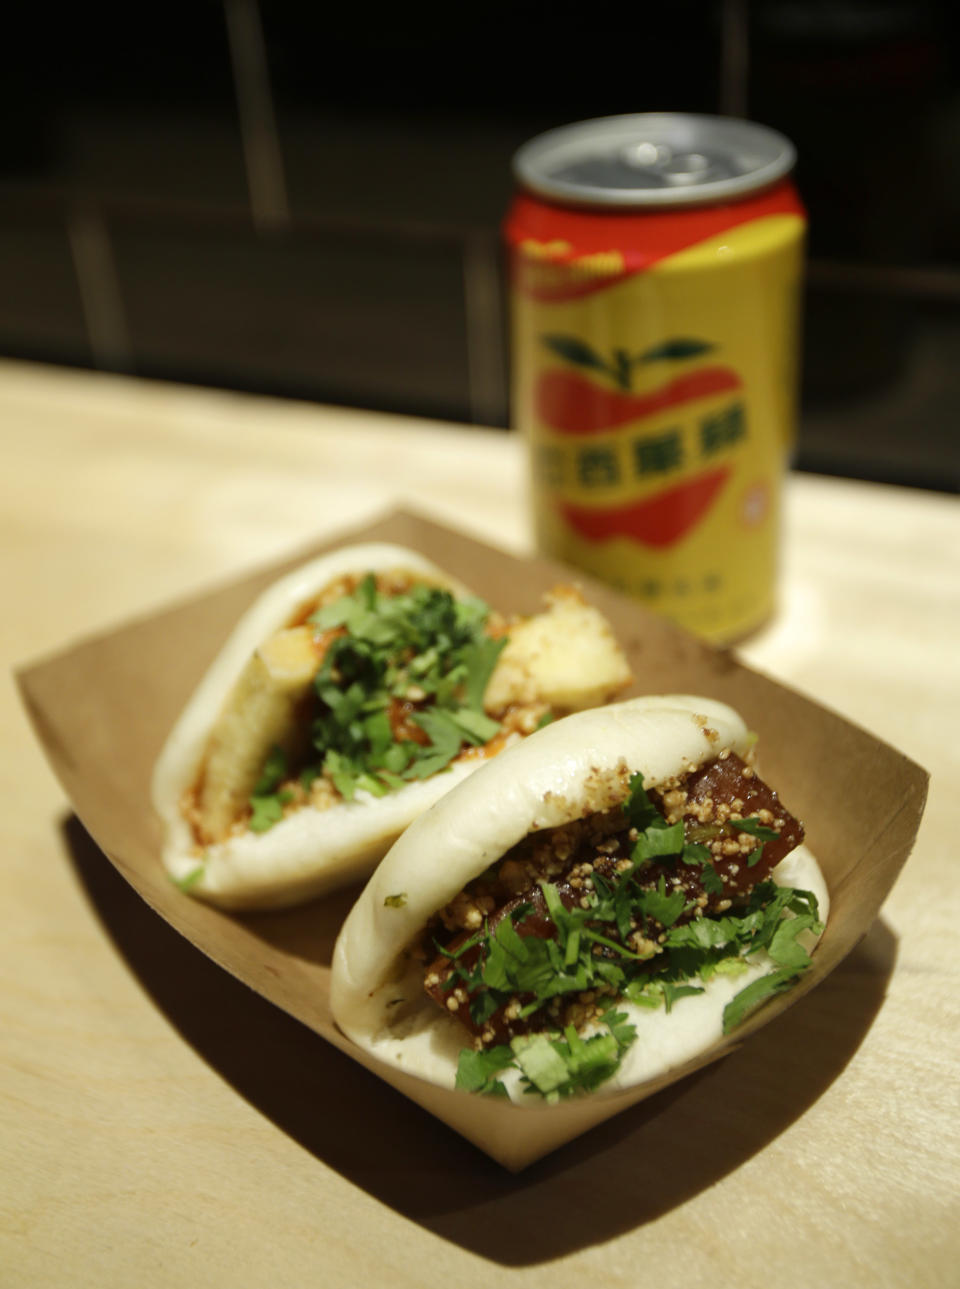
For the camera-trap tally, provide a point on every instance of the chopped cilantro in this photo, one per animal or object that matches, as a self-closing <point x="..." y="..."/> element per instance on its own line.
<point x="712" y="881"/>
<point x="476" y="1070"/>
<point x="644" y="993"/>
<point x="694" y="853"/>
<point x="480" y="657"/>
<point x="582" y="956"/>
<point x="420" y="658"/>
<point x="191" y="879"/>
<point x="542" y="1064"/>
<point x="705" y="933"/>
<point x="458" y="953"/>
<point x="658" y="840"/>
<point x="395" y="901"/>
<point x="555" y="1065"/>
<point x="657" y="904"/>
<point x="623" y="939"/>
<point x="672" y="992"/>
<point x="273" y="773"/>
<point x="266" y="811"/>
<point x="619" y="1025"/>
<point x="639" y="809"/>
<point x="477" y="726"/>
<point x="755" y="828"/>
<point x="749" y="999"/>
<point x="577" y="1064"/>
<point x="446" y="739"/>
<point x="783" y="947"/>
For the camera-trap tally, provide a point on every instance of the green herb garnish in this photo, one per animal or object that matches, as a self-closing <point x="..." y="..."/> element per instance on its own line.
<point x="592" y="950"/>
<point x="265" y="812"/>
<point x="551" y="1065"/>
<point x="755" y="828"/>
<point x="191" y="879"/>
<point x="273" y="773"/>
<point x="476" y="1070"/>
<point x="422" y="654"/>
<point x="749" y="999"/>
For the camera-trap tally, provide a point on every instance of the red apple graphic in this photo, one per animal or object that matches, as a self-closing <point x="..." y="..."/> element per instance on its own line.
<point x="575" y="406"/>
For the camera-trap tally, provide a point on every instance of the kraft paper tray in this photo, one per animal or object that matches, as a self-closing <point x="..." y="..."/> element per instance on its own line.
<point x="103" y="708"/>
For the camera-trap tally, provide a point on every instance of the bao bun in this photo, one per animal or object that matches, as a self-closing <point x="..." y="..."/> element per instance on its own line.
<point x="309" y="851"/>
<point x="569" y="769"/>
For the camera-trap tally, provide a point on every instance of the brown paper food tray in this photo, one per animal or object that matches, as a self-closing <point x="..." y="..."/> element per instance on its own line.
<point x="103" y="708"/>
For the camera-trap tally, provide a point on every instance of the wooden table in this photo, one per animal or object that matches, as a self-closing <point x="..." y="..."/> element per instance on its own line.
<point x="160" y="1125"/>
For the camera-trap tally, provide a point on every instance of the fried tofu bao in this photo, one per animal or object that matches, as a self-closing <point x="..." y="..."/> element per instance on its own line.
<point x="267" y="792"/>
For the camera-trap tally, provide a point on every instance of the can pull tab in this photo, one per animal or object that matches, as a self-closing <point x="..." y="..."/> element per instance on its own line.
<point x="645" y="156"/>
<point x="658" y="161"/>
<point x="689" y="168"/>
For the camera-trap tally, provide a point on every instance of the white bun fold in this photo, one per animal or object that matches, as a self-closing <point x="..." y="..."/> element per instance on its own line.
<point x="311" y="850"/>
<point x="574" y="767"/>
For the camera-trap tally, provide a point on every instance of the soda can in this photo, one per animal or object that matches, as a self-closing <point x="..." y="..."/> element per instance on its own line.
<point x="655" y="265"/>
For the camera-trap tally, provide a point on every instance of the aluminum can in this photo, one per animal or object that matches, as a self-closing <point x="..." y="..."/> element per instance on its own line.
<point x="655" y="265"/>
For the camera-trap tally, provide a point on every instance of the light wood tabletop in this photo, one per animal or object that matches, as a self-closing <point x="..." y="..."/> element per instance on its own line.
<point x="161" y="1125"/>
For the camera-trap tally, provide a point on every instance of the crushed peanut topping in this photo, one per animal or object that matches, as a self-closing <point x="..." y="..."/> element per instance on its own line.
<point x="705" y="804"/>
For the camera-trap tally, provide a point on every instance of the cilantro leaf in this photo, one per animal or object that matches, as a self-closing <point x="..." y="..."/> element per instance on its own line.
<point x="191" y="879"/>
<point x="672" y="992"/>
<point x="694" y="853"/>
<point x="639" y="809"/>
<point x="343" y="773"/>
<point x="273" y="773"/>
<point x="476" y="1070"/>
<point x="657" y="840"/>
<point x="480" y="658"/>
<point x="711" y="879"/>
<point x="750" y="998"/>
<point x="558" y="1066"/>
<point x="507" y="955"/>
<point x="478" y="727"/>
<point x="660" y="906"/>
<point x="755" y="828"/>
<point x="783" y="947"/>
<point x="619" y="1026"/>
<point x="704" y="933"/>
<point x="421" y="648"/>
<point x="446" y="739"/>
<point x="542" y="1064"/>
<point x="803" y="902"/>
<point x="266" y="811"/>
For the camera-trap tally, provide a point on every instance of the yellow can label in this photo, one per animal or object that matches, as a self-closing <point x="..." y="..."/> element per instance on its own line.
<point x="659" y="412"/>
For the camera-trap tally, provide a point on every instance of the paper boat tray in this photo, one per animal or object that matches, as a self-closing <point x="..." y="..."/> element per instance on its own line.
<point x="103" y="708"/>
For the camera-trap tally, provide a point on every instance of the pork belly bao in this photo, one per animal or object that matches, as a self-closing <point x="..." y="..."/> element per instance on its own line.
<point x="352" y="695"/>
<point x="600" y="904"/>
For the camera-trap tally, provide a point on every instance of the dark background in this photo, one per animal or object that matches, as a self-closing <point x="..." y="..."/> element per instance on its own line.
<point x="291" y="198"/>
